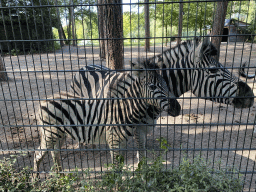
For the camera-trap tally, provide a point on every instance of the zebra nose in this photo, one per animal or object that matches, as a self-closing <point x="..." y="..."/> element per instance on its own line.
<point x="174" y="108"/>
<point x="245" y="96"/>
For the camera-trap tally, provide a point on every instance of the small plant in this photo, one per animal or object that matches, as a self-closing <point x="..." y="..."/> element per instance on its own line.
<point x="13" y="180"/>
<point x="15" y="52"/>
<point x="56" y="182"/>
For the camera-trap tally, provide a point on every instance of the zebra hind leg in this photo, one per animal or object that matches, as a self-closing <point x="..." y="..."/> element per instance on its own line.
<point x="116" y="143"/>
<point x="39" y="156"/>
<point x="56" y="155"/>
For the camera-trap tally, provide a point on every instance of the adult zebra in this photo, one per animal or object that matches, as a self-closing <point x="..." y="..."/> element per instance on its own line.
<point x="123" y="105"/>
<point x="190" y="66"/>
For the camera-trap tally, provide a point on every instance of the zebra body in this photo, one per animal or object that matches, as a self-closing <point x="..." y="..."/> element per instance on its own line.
<point x="118" y="105"/>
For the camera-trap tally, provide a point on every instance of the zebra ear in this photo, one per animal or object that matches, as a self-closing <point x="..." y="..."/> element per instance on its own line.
<point x="137" y="69"/>
<point x="160" y="64"/>
<point x="199" y="51"/>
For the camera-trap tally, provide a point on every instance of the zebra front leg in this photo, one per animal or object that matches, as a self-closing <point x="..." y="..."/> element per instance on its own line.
<point x="115" y="141"/>
<point x="140" y="138"/>
<point x="56" y="155"/>
<point x="38" y="157"/>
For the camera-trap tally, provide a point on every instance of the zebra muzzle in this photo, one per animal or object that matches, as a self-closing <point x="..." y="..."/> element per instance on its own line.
<point x="245" y="96"/>
<point x="174" y="108"/>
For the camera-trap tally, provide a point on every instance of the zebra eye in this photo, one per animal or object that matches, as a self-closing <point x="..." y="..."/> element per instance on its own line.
<point x="213" y="69"/>
<point x="152" y="87"/>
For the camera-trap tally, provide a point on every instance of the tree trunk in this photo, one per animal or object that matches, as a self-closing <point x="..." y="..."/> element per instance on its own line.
<point x="166" y="34"/>
<point x="61" y="35"/>
<point x="102" y="29"/>
<point x="69" y="26"/>
<point x="73" y="24"/>
<point x="3" y="74"/>
<point x="180" y="22"/>
<point x="218" y="25"/>
<point x="147" y="26"/>
<point x="114" y="34"/>
<point x="64" y="36"/>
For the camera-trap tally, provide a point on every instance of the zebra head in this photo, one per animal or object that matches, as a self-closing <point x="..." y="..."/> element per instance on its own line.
<point x="211" y="80"/>
<point x="155" y="89"/>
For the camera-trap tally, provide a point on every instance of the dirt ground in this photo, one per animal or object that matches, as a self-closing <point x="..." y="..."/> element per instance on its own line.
<point x="219" y="133"/>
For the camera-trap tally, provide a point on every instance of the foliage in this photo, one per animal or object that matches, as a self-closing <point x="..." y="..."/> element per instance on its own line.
<point x="189" y="176"/>
<point x="13" y="180"/>
<point x="133" y="26"/>
<point x="56" y="182"/>
<point x="197" y="15"/>
<point x="85" y="18"/>
<point x="26" y="20"/>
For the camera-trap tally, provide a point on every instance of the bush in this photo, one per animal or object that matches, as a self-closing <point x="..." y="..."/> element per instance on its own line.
<point x="13" y="180"/>
<point x="189" y="176"/>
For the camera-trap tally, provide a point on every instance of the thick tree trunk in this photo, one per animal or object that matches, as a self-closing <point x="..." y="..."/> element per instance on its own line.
<point x="3" y="74"/>
<point x="180" y="22"/>
<point x="147" y="26"/>
<point x="114" y="34"/>
<point x="218" y="25"/>
<point x="102" y="29"/>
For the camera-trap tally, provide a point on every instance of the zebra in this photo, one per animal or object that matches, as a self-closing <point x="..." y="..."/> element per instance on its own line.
<point x="199" y="72"/>
<point x="125" y="105"/>
<point x="190" y="66"/>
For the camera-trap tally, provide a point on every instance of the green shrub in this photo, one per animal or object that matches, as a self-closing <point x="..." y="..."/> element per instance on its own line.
<point x="189" y="176"/>
<point x="56" y="182"/>
<point x="13" y="180"/>
<point x="15" y="52"/>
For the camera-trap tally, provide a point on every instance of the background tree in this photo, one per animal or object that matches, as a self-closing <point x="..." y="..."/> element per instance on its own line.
<point x="132" y="25"/>
<point x="102" y="29"/>
<point x="196" y="17"/>
<point x="180" y="22"/>
<point x="114" y="34"/>
<point x="72" y="23"/>
<point x="218" y="25"/>
<point x="27" y="23"/>
<point x="147" y="26"/>
<point x="62" y="35"/>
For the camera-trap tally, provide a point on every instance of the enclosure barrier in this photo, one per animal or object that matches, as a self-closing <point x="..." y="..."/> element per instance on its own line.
<point x="53" y="47"/>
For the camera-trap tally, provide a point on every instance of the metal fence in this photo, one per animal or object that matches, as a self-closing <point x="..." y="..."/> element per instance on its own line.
<point x="38" y="67"/>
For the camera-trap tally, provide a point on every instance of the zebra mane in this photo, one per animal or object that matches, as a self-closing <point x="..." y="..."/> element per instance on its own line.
<point x="64" y="95"/>
<point x="147" y="64"/>
<point x="209" y="49"/>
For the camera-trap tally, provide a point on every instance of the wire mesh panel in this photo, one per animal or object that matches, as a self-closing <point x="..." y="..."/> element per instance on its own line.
<point x="89" y="51"/>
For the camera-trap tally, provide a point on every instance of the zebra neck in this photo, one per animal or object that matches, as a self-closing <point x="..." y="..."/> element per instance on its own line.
<point x="152" y="112"/>
<point x="178" y="76"/>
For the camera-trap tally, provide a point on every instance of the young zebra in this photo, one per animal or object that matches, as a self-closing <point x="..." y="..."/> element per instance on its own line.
<point x="200" y="73"/>
<point x="123" y="105"/>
